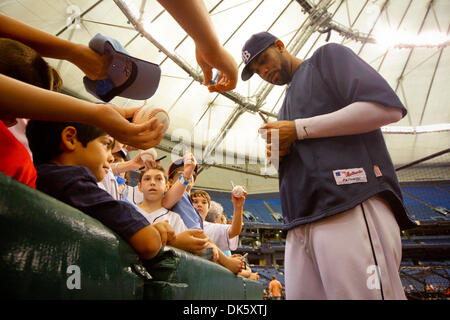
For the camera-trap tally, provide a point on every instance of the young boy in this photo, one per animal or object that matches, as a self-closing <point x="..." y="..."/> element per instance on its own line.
<point x="153" y="184"/>
<point x="225" y="236"/>
<point x="70" y="159"/>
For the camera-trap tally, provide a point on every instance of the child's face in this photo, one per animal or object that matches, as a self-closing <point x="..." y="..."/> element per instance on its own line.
<point x="96" y="156"/>
<point x="152" y="185"/>
<point x="202" y="206"/>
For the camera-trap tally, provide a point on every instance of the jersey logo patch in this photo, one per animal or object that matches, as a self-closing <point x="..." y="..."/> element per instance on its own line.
<point x="245" y="56"/>
<point x="349" y="176"/>
<point x="377" y="171"/>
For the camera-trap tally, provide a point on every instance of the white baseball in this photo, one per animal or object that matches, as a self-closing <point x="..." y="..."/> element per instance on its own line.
<point x="238" y="191"/>
<point x="147" y="112"/>
<point x="149" y="155"/>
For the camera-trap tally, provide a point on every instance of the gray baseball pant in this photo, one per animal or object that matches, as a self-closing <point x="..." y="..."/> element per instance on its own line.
<point x="354" y="255"/>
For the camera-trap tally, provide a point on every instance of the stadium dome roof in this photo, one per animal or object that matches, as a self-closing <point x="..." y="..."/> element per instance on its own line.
<point x="406" y="41"/>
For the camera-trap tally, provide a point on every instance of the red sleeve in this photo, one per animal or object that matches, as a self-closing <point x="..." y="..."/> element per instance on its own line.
<point x="15" y="161"/>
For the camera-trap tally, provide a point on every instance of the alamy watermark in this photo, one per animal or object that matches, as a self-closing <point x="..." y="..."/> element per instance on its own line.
<point x="73" y="20"/>
<point x="374" y="280"/>
<point x="74" y="278"/>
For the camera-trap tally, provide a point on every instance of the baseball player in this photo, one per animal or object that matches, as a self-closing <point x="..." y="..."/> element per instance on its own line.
<point x="340" y="196"/>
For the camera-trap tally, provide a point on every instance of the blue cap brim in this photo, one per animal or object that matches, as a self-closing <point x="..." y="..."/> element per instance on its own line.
<point x="246" y="73"/>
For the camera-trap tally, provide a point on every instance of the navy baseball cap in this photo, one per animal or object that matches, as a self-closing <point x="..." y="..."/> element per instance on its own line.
<point x="124" y="153"/>
<point x="253" y="47"/>
<point x="179" y="163"/>
<point x="128" y="77"/>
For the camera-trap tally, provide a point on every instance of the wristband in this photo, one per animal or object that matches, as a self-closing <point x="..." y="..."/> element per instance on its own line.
<point x="120" y="180"/>
<point x="183" y="181"/>
<point x="300" y="128"/>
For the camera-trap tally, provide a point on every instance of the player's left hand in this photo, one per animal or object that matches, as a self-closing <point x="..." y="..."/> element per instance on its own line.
<point x="287" y="134"/>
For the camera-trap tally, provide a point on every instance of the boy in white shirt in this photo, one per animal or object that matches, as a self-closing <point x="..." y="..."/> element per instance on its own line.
<point x="153" y="184"/>
<point x="225" y="236"/>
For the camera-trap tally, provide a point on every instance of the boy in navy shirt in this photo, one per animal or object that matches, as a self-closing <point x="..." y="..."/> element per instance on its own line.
<point x="70" y="159"/>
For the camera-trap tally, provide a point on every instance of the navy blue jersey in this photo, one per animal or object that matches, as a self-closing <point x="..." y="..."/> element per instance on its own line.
<point x="325" y="176"/>
<point x="77" y="187"/>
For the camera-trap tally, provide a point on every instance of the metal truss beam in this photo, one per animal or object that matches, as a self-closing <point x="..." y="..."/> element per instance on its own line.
<point x="355" y="35"/>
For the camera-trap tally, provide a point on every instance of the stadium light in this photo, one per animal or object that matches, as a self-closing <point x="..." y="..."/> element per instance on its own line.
<point x="401" y="39"/>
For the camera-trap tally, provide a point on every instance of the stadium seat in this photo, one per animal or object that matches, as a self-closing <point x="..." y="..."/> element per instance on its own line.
<point x="431" y="195"/>
<point x="259" y="209"/>
<point x="420" y="211"/>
